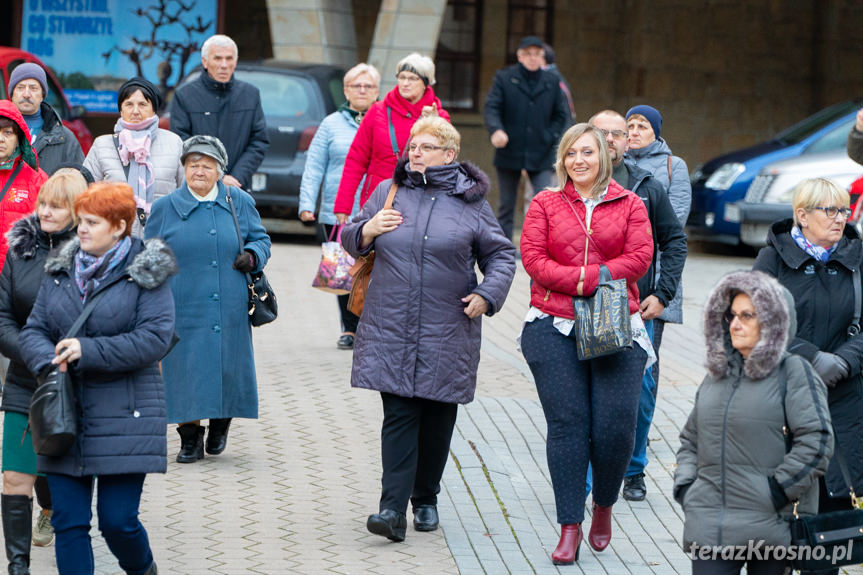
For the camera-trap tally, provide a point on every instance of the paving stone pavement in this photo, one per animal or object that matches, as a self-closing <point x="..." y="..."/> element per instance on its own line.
<point x="292" y="491"/>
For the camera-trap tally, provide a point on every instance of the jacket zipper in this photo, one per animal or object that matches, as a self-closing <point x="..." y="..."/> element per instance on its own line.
<point x="734" y="388"/>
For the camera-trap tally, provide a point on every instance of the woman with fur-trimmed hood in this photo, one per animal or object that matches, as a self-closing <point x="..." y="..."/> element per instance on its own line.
<point x="418" y="341"/>
<point x="736" y="479"/>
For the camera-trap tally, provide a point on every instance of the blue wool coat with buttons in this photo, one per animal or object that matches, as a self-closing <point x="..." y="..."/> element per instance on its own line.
<point x="118" y="389"/>
<point x="211" y="371"/>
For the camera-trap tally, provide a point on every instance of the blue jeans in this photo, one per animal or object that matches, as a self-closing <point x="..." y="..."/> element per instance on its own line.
<point x="646" y="406"/>
<point x="117" y="505"/>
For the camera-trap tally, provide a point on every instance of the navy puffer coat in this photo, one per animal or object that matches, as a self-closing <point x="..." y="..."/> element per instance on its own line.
<point x="121" y="400"/>
<point x="414" y="339"/>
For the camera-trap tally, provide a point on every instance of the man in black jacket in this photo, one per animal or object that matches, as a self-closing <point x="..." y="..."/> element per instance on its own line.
<point x="655" y="289"/>
<point x="217" y="104"/>
<point x="525" y="113"/>
<point x="54" y="143"/>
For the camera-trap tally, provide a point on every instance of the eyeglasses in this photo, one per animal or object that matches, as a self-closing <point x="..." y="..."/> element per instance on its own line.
<point x="361" y="87"/>
<point x="409" y="79"/>
<point x="424" y="148"/>
<point x="616" y="134"/>
<point x="833" y="212"/>
<point x="745" y="317"/>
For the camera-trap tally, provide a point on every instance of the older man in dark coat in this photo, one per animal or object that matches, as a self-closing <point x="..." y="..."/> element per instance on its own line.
<point x="525" y="113"/>
<point x="218" y="104"/>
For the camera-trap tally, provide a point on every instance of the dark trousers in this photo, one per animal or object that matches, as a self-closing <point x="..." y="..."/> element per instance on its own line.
<point x="117" y="506"/>
<point x="731" y="567"/>
<point x="507" y="185"/>
<point x="415" y="439"/>
<point x="43" y="493"/>
<point x="590" y="408"/>
<point x="658" y="328"/>
<point x="349" y="320"/>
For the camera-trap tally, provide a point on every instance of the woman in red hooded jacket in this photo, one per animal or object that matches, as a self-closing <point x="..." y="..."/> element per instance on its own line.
<point x="384" y="131"/>
<point x="590" y="405"/>
<point x="20" y="176"/>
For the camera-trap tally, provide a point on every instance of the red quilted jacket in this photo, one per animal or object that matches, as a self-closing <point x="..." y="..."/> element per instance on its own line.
<point x="20" y="198"/>
<point x="554" y="243"/>
<point x="371" y="153"/>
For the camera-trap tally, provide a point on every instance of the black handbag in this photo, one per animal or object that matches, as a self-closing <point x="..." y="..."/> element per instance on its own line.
<point x="827" y="540"/>
<point x="602" y="324"/>
<point x="263" y="306"/>
<point x="53" y="413"/>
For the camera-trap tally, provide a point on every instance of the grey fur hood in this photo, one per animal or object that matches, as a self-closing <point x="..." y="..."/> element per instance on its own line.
<point x="774" y="307"/>
<point x="152" y="261"/>
<point x="458" y="178"/>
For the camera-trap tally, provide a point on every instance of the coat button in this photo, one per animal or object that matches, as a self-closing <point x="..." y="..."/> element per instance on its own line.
<point x="213" y="232"/>
<point x="136" y="413"/>
<point x="425" y="237"/>
<point x="217" y="329"/>
<point x="215" y="297"/>
<point x="214" y="264"/>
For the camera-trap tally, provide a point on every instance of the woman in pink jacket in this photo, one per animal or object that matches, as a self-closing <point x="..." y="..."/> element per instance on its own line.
<point x="384" y="132"/>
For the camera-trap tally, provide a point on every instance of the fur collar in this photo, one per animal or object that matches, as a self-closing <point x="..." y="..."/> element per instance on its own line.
<point x="152" y="261"/>
<point x="776" y="318"/>
<point x="26" y="236"/>
<point x="458" y="178"/>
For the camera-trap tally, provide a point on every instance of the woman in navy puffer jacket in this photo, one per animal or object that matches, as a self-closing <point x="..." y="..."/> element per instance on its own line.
<point x="114" y="362"/>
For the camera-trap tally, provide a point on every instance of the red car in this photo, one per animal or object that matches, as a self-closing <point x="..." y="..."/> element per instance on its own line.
<point x="10" y="58"/>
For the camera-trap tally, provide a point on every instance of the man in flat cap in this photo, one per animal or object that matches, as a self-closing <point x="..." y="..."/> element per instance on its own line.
<point x="218" y="104"/>
<point x="53" y="142"/>
<point x="525" y="113"/>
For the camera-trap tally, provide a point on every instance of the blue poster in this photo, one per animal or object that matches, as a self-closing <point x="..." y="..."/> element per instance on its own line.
<point x="96" y="45"/>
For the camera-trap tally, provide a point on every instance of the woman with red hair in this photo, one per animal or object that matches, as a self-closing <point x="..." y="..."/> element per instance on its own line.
<point x="114" y="361"/>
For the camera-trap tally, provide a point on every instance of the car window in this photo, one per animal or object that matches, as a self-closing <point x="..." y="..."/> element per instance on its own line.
<point x="337" y="91"/>
<point x="53" y="98"/>
<point x="833" y="140"/>
<point x="802" y="130"/>
<point x="285" y="95"/>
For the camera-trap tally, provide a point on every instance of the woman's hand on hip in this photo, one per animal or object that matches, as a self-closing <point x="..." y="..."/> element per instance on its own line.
<point x="67" y="351"/>
<point x="475" y="305"/>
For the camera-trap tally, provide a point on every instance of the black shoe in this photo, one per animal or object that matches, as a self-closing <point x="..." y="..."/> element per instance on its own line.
<point x="191" y="443"/>
<point x="17" y="523"/>
<point x="388" y="523"/>
<point x="634" y="488"/>
<point x="346" y="342"/>
<point x="425" y="518"/>
<point x="217" y="438"/>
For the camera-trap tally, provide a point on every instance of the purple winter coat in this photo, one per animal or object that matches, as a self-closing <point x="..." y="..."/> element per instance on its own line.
<point x="414" y="339"/>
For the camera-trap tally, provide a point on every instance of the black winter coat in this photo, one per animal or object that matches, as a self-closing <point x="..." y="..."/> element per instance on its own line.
<point x="55" y="144"/>
<point x="824" y="301"/>
<point x="230" y="111"/>
<point x="118" y="386"/>
<point x="668" y="237"/>
<point x="533" y="119"/>
<point x="19" y="283"/>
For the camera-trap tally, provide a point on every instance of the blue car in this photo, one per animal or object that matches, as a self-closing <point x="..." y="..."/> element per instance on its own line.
<point x="723" y="181"/>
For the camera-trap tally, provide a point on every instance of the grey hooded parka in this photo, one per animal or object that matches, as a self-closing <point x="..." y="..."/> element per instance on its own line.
<point x="734" y="479"/>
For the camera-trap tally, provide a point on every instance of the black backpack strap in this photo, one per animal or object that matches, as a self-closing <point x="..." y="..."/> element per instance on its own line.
<point x="11" y="179"/>
<point x="854" y="328"/>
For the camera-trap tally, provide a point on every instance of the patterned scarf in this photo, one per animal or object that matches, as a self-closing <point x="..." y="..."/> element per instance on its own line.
<point x="135" y="142"/>
<point x="10" y="163"/>
<point x="817" y="252"/>
<point x="91" y="270"/>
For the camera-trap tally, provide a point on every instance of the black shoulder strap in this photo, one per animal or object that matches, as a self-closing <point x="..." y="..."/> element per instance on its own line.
<point x="854" y="328"/>
<point x="85" y="313"/>
<point x="230" y="200"/>
<point x="393" y="141"/>
<point x="11" y="179"/>
<point x="117" y="147"/>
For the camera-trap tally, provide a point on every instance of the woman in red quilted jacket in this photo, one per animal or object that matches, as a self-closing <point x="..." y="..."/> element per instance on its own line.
<point x="20" y="176"/>
<point x="384" y="132"/>
<point x="590" y="406"/>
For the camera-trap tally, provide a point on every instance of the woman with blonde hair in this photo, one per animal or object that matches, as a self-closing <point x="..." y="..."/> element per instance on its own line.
<point x="30" y="240"/>
<point x="818" y="258"/>
<point x="589" y="222"/>
<point x="418" y="341"/>
<point x="384" y="132"/>
<point x="325" y="161"/>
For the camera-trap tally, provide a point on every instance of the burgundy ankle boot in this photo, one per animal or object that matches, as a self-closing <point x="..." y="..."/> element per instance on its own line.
<point x="600" y="528"/>
<point x="567" y="549"/>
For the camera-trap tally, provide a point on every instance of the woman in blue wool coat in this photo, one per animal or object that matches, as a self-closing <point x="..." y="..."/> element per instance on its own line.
<point x="114" y="362"/>
<point x="210" y="374"/>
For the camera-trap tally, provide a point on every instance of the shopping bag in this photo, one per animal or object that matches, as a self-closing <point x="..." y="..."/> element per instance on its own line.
<point x="332" y="275"/>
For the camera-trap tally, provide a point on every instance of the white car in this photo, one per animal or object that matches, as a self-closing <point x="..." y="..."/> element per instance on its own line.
<point x="769" y="196"/>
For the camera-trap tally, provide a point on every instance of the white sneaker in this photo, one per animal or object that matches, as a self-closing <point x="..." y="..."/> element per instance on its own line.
<point x="43" y="533"/>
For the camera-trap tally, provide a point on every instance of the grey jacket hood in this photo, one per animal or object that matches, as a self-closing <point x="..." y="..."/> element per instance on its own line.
<point x="774" y="307"/>
<point x="151" y="266"/>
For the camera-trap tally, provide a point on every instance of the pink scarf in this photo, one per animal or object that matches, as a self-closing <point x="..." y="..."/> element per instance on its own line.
<point x="135" y="141"/>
